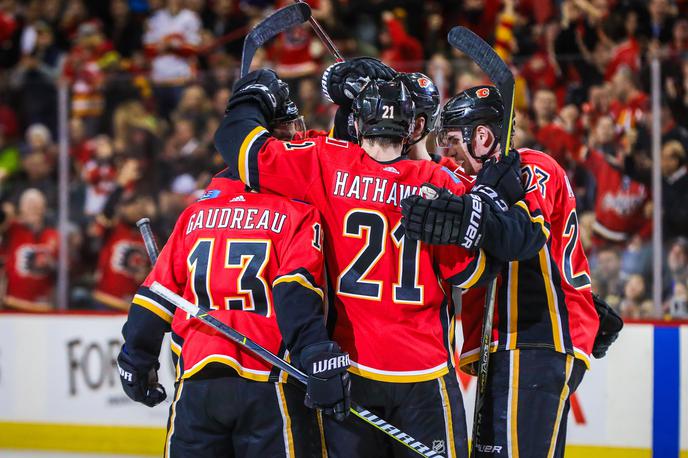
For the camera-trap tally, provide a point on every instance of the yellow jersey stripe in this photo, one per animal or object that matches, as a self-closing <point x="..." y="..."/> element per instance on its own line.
<point x="551" y="300"/>
<point x="537" y="219"/>
<point x="152" y="307"/>
<point x="513" y="305"/>
<point x="173" y="415"/>
<point x="449" y="426"/>
<point x="288" y="437"/>
<point x="560" y="410"/>
<point x="244" y="153"/>
<point x="399" y="377"/>
<point x="301" y="280"/>
<point x="477" y="273"/>
<point x="512" y="439"/>
<point x="258" y="376"/>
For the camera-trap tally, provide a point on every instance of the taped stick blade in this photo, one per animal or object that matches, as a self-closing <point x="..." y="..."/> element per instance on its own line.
<point x="279" y="21"/>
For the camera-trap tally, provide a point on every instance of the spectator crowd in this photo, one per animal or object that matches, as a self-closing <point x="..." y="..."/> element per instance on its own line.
<point x="148" y="81"/>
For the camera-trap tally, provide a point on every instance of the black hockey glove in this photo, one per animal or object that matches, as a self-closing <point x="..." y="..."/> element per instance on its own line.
<point x="262" y="87"/>
<point x="329" y="385"/>
<point x="438" y="217"/>
<point x="140" y="384"/>
<point x="342" y="82"/>
<point x="499" y="182"/>
<point x="610" y="326"/>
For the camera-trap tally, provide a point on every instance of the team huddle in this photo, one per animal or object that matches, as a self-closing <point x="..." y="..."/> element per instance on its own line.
<point x="338" y="252"/>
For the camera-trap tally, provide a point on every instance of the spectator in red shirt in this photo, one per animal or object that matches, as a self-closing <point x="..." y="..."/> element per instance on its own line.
<point x="549" y="132"/>
<point x="85" y="70"/>
<point x="123" y="263"/>
<point x="630" y="104"/>
<point x="30" y="247"/>
<point x="620" y="202"/>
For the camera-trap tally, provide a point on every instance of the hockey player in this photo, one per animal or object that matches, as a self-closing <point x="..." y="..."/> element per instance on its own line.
<point x="545" y="321"/>
<point x="387" y="307"/>
<point x="257" y="261"/>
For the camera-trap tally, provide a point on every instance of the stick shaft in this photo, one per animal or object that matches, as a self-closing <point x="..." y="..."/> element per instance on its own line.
<point x="144" y="226"/>
<point x="324" y="37"/>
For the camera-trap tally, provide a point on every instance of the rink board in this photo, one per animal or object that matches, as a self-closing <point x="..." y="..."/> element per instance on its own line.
<point x="59" y="390"/>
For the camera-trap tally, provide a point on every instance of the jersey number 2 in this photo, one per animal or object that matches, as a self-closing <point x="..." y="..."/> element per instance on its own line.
<point x="250" y="257"/>
<point x="581" y="279"/>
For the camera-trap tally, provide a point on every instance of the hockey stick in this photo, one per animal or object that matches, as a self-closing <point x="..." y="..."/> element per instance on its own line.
<point x="489" y="61"/>
<point x="324" y="37"/>
<point x="203" y="314"/>
<point x="279" y="21"/>
<point x="144" y="226"/>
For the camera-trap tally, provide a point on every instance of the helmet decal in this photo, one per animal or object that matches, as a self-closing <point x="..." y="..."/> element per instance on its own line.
<point x="482" y="92"/>
<point x="424" y="82"/>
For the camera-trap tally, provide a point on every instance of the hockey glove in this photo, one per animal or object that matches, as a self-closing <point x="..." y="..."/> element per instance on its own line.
<point x="610" y="326"/>
<point x="499" y="182"/>
<point x="342" y="82"/>
<point x="140" y="384"/>
<point x="261" y="87"/>
<point x="329" y="385"/>
<point x="441" y="218"/>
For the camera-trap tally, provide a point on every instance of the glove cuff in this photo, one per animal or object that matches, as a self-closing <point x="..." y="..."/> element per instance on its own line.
<point x="491" y="197"/>
<point x="324" y="82"/>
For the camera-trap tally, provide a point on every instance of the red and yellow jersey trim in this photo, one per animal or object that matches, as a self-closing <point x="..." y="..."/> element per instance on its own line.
<point x="251" y="374"/>
<point x="540" y="219"/>
<point x="477" y="272"/>
<point x="244" y="151"/>
<point x="153" y="307"/>
<point x="398" y="376"/>
<point x="301" y="280"/>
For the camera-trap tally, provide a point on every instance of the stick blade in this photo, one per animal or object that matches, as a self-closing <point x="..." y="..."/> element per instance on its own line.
<point x="466" y="41"/>
<point x="494" y="67"/>
<point x="279" y="21"/>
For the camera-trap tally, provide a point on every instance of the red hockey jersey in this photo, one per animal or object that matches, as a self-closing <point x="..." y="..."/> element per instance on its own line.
<point x="388" y="309"/>
<point x="619" y="202"/>
<point x="31" y="259"/>
<point x="122" y="265"/>
<point x="255" y="259"/>
<point x="545" y="301"/>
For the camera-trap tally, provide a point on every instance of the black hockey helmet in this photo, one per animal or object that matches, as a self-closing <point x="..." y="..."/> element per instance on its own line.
<point x="287" y="121"/>
<point x="425" y="96"/>
<point x="384" y="109"/>
<point x="479" y="105"/>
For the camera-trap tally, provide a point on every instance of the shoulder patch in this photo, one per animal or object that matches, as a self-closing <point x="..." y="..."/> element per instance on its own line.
<point x="209" y="194"/>
<point x="451" y="174"/>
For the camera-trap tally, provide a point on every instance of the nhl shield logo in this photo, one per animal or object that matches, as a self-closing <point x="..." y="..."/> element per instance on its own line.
<point x="482" y="92"/>
<point x="438" y="446"/>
